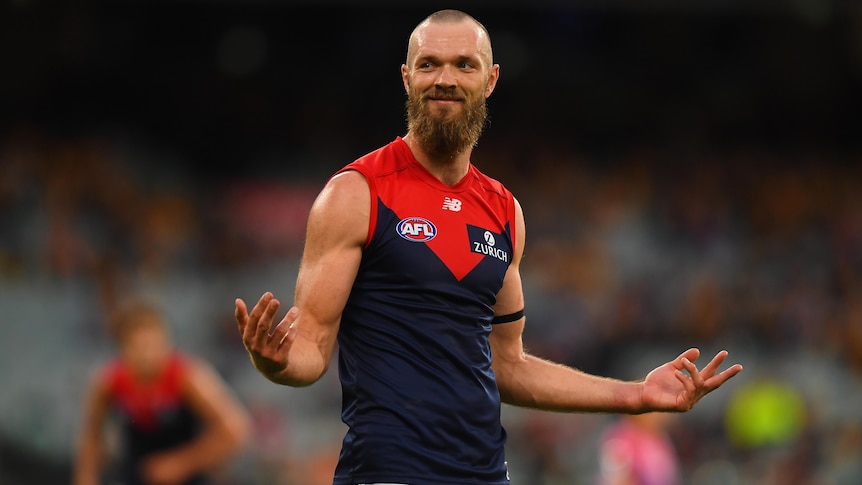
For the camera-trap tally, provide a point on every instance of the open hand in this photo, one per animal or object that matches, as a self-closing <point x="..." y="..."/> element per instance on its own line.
<point x="268" y="347"/>
<point x="668" y="388"/>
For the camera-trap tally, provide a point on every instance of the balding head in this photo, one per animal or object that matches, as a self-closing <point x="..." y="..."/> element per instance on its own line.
<point x="417" y="37"/>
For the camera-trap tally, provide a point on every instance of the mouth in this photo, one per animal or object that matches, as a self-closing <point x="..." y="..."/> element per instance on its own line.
<point x="444" y="98"/>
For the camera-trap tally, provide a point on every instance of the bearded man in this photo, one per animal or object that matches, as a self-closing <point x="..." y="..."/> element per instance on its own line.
<point x="411" y="264"/>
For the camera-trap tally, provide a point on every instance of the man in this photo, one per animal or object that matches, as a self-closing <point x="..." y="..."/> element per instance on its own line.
<point x="179" y="420"/>
<point x="411" y="264"/>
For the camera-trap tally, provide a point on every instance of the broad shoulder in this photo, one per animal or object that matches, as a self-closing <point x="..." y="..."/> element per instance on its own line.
<point x="340" y="213"/>
<point x="345" y="193"/>
<point x="348" y="180"/>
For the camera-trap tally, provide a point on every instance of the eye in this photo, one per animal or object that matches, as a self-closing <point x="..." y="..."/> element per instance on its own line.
<point x="467" y="64"/>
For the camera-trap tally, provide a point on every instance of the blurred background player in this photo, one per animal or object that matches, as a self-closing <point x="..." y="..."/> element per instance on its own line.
<point x="179" y="420"/>
<point x="637" y="450"/>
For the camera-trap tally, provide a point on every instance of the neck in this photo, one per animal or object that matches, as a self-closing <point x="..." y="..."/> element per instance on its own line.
<point x="448" y="169"/>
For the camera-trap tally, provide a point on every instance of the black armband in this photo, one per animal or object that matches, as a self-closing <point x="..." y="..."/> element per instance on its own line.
<point x="508" y="318"/>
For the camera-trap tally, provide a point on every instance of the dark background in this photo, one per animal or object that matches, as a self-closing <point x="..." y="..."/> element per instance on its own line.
<point x="227" y="81"/>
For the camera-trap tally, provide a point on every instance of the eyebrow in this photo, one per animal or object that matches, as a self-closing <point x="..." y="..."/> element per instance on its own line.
<point x="438" y="60"/>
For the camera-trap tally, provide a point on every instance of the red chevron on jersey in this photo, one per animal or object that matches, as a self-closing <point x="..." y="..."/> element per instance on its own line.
<point x="441" y="217"/>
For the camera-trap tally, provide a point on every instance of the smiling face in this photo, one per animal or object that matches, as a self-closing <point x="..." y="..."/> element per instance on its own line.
<point x="448" y="76"/>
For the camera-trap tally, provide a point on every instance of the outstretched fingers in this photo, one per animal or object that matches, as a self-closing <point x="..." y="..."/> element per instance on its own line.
<point x="264" y="325"/>
<point x="285" y="332"/>
<point x="724" y="375"/>
<point x="712" y="378"/>
<point x="710" y="370"/>
<point x="255" y="325"/>
<point x="708" y="379"/>
<point x="241" y="314"/>
<point x="693" y="373"/>
<point x="691" y="382"/>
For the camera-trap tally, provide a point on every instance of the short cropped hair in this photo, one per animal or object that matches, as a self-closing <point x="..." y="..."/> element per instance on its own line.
<point x="133" y="314"/>
<point x="451" y="16"/>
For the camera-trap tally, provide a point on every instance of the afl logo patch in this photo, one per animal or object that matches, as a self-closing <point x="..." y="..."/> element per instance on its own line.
<point x="416" y="229"/>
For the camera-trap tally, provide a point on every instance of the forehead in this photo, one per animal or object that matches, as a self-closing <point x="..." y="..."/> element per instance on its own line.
<point x="449" y="39"/>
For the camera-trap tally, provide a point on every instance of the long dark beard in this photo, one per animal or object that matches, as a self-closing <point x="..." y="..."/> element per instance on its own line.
<point x="446" y="138"/>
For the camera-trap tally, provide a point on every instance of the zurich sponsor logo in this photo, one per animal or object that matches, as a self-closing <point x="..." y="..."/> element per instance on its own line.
<point x="489" y="247"/>
<point x="416" y="229"/>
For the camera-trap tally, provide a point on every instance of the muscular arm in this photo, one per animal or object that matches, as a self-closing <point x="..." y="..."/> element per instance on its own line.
<point x="529" y="381"/>
<point x="298" y="351"/>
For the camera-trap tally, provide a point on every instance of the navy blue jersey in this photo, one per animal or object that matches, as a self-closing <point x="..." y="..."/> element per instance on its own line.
<point x="154" y="415"/>
<point x="419" y="395"/>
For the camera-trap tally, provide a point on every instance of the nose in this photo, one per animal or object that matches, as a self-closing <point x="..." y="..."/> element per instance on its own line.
<point x="446" y="77"/>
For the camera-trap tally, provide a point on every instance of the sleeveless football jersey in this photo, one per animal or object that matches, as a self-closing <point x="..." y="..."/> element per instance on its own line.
<point x="419" y="396"/>
<point x="152" y="414"/>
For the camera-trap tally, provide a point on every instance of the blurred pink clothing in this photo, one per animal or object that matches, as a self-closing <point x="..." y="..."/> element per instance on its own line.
<point x="635" y="455"/>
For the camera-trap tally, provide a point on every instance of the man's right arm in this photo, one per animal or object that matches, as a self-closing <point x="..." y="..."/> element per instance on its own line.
<point x="298" y="351"/>
<point x="89" y="447"/>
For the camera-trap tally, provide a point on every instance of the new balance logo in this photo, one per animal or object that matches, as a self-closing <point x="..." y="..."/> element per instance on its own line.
<point x="451" y="204"/>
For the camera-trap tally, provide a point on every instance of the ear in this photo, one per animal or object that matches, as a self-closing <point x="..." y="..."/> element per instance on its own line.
<point x="405" y="77"/>
<point x="492" y="80"/>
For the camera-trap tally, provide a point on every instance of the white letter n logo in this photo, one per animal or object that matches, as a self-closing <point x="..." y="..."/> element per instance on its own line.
<point x="451" y="204"/>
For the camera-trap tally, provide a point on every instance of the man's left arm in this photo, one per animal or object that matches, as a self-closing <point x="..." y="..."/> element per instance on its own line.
<point x="529" y="381"/>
